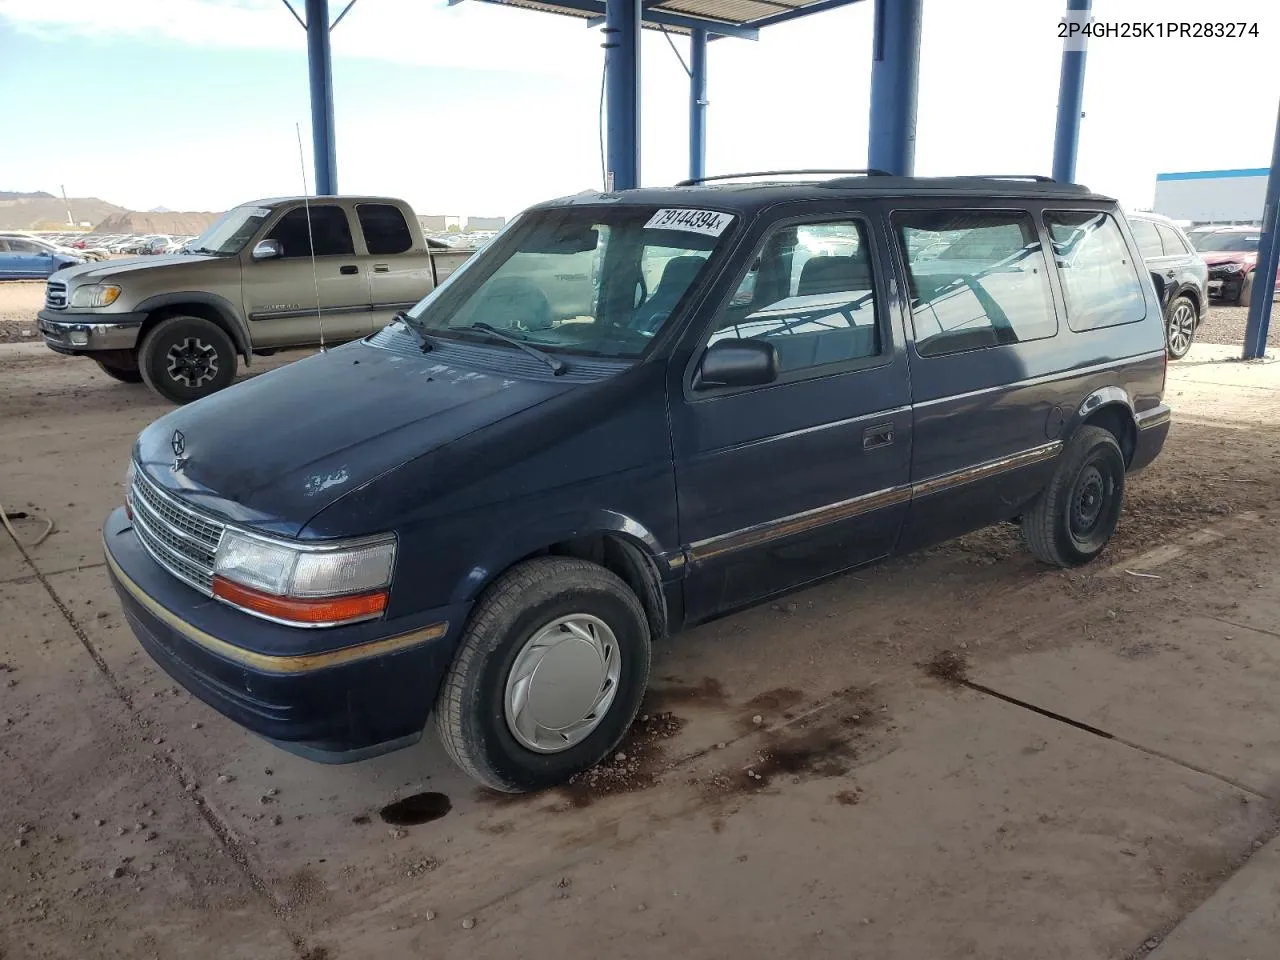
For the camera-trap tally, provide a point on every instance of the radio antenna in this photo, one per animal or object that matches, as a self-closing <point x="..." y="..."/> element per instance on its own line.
<point x="311" y="240"/>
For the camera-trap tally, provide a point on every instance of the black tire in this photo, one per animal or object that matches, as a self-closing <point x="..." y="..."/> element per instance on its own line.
<point x="1076" y="514"/>
<point x="470" y="713"/>
<point x="186" y="358"/>
<point x="1246" y="291"/>
<point x="1181" y="321"/>
<point x="123" y="374"/>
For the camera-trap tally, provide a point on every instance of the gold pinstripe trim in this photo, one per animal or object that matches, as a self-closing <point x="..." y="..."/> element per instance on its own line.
<point x="274" y="663"/>
<point x="990" y="468"/>
<point x="846" y="509"/>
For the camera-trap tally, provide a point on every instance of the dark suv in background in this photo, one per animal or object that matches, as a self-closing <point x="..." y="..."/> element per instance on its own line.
<point x="1180" y="275"/>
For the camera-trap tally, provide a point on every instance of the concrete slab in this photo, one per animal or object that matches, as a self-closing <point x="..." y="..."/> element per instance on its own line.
<point x="1241" y="921"/>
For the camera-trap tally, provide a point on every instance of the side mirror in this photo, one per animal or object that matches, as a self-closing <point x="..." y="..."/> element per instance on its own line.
<point x="268" y="250"/>
<point x="737" y="363"/>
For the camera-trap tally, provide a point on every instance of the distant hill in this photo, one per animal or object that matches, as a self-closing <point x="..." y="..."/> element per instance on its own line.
<point x="130" y="221"/>
<point x="37" y="211"/>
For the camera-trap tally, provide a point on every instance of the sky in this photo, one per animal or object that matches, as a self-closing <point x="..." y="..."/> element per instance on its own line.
<point x="482" y="110"/>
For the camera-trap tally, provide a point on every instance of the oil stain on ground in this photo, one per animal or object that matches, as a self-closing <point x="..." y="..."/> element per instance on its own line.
<point x="419" y="808"/>
<point x="949" y="667"/>
<point x="708" y="692"/>
<point x="636" y="765"/>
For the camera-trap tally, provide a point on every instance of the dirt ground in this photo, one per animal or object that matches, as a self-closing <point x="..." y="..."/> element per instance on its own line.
<point x="956" y="754"/>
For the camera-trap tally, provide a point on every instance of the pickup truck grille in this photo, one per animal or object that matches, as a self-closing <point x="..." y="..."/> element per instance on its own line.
<point x="180" y="539"/>
<point x="55" y="295"/>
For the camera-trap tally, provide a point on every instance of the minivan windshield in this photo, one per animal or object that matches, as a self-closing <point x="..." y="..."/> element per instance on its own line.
<point x="230" y="232"/>
<point x="593" y="281"/>
<point x="1224" y="242"/>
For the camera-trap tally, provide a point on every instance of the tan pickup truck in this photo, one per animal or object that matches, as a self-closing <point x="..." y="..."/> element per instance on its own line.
<point x="250" y="284"/>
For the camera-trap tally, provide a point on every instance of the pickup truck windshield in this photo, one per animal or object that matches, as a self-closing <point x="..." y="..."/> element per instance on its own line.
<point x="231" y="231"/>
<point x="589" y="281"/>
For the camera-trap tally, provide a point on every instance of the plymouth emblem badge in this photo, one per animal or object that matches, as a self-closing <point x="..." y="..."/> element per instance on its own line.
<point x="178" y="444"/>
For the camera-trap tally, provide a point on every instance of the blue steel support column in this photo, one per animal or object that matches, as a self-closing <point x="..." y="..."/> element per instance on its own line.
<point x="321" y="68"/>
<point x="1264" y="274"/>
<point x="1066" y="137"/>
<point x="697" y="103"/>
<point x="622" y="83"/>
<point x="895" y="76"/>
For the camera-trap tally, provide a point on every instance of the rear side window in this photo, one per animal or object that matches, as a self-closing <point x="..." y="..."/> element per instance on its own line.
<point x="810" y="293"/>
<point x="978" y="278"/>
<point x="1144" y="231"/>
<point x="329" y="228"/>
<point x="1172" y="241"/>
<point x="384" y="228"/>
<point x="1100" y="281"/>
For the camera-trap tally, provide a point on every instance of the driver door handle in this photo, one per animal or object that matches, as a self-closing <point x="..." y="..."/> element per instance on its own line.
<point x="881" y="435"/>
<point x="348" y="269"/>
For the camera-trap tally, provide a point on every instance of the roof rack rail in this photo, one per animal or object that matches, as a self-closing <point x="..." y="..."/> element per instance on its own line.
<point x="1037" y="177"/>
<point x="694" y="181"/>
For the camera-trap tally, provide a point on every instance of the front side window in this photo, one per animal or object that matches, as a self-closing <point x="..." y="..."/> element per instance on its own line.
<point x="230" y="232"/>
<point x="384" y="228"/>
<point x="581" y="280"/>
<point x="1144" y="231"/>
<point x="1099" y="278"/>
<point x="810" y="293"/>
<point x="977" y="279"/>
<point x="1172" y="241"/>
<point x="329" y="229"/>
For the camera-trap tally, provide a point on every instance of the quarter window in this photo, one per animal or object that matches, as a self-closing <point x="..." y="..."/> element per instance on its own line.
<point x="977" y="279"/>
<point x="329" y="227"/>
<point x="1172" y="241"/>
<point x="810" y="293"/>
<point x="1144" y="231"/>
<point x="1099" y="278"/>
<point x="384" y="228"/>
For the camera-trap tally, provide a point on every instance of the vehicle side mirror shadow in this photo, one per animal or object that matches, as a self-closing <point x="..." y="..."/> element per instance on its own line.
<point x="737" y="363"/>
<point x="268" y="250"/>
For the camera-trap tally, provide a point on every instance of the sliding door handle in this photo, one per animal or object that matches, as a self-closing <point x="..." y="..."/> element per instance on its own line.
<point x="881" y="435"/>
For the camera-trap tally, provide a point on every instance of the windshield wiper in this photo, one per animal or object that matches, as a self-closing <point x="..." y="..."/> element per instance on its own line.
<point x="557" y="366"/>
<point x="418" y="327"/>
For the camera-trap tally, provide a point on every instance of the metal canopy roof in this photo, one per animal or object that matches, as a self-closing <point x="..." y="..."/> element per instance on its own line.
<point x="726" y="18"/>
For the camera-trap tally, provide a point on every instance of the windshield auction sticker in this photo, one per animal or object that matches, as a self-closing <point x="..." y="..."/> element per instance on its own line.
<point x="707" y="222"/>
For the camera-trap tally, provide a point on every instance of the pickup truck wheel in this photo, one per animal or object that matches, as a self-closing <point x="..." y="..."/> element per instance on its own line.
<point x="186" y="358"/>
<point x="1075" y="516"/>
<point x="123" y="374"/>
<point x="548" y="676"/>
<point x="1180" y="327"/>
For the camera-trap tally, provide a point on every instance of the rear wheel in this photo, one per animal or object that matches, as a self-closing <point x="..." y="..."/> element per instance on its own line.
<point x="1075" y="516"/>
<point x="186" y="358"/>
<point x="548" y="676"/>
<point x="1180" y="327"/>
<point x="125" y="374"/>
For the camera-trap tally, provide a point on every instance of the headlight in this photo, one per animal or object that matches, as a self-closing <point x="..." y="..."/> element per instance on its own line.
<point x="1226" y="267"/>
<point x="304" y="586"/>
<point x="95" y="295"/>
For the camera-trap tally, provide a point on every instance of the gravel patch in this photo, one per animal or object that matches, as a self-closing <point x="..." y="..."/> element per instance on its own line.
<point x="1226" y="325"/>
<point x="19" y="302"/>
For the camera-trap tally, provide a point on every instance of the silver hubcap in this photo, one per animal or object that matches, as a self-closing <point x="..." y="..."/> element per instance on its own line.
<point x="192" y="362"/>
<point x="1182" y="327"/>
<point x="562" y="683"/>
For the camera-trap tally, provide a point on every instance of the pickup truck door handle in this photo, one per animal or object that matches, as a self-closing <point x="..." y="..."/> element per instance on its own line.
<point x="348" y="269"/>
<point x="881" y="435"/>
<point x="381" y="268"/>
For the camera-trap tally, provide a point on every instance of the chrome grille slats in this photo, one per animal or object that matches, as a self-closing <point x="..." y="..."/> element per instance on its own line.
<point x="180" y="539"/>
<point x="55" y="295"/>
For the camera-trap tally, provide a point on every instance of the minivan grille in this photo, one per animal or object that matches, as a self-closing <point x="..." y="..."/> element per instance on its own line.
<point x="180" y="539"/>
<point x="55" y="295"/>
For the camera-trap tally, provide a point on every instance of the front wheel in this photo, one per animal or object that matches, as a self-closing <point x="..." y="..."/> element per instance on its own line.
<point x="1180" y="327"/>
<point x="548" y="676"/>
<point x="186" y="358"/>
<point x="1076" y="514"/>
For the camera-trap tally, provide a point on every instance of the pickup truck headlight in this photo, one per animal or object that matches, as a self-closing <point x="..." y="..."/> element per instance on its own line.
<point x="93" y="295"/>
<point x="304" y="586"/>
<point x="1227" y="267"/>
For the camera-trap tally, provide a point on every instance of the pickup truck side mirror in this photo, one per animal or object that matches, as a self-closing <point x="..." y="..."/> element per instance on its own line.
<point x="268" y="250"/>
<point x="737" y="363"/>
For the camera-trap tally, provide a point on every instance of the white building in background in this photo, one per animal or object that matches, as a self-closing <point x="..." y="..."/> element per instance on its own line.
<point x="1212" y="196"/>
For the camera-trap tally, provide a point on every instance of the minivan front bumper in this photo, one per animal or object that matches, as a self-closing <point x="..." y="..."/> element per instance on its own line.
<point x="335" y="695"/>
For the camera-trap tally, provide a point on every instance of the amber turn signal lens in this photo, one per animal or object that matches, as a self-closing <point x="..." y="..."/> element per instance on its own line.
<point x="359" y="606"/>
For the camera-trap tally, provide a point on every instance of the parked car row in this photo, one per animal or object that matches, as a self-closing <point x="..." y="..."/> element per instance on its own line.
<point x="26" y="257"/>
<point x="99" y="246"/>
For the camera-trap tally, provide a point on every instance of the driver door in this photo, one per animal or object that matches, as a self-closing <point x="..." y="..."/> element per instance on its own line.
<point x="292" y="299"/>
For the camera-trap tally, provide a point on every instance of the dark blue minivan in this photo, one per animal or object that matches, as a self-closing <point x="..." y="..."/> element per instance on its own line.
<point x="630" y="413"/>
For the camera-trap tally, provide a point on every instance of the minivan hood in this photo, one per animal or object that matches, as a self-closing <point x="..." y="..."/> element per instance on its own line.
<point x="273" y="451"/>
<point x="104" y="270"/>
